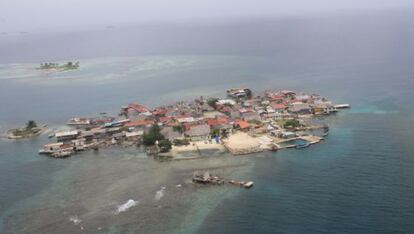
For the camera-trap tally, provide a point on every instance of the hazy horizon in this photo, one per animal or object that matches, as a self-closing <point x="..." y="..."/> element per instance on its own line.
<point x="23" y="15"/>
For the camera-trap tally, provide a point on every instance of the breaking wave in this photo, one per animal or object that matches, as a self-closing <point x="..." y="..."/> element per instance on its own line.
<point x="159" y="194"/>
<point x="75" y="219"/>
<point x="124" y="207"/>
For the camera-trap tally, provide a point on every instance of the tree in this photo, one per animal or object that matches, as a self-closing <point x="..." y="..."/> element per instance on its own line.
<point x="292" y="123"/>
<point x="153" y="135"/>
<point x="179" y="142"/>
<point x="224" y="133"/>
<point x="215" y="132"/>
<point x="249" y="93"/>
<point x="212" y="102"/>
<point x="31" y="124"/>
<point x="178" y="128"/>
<point x="165" y="145"/>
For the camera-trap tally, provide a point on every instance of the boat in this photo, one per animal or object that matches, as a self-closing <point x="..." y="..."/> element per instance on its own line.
<point x="248" y="184"/>
<point x="62" y="153"/>
<point x="342" y="106"/>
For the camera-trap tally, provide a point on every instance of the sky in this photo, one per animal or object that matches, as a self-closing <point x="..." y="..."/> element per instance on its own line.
<point x="32" y="15"/>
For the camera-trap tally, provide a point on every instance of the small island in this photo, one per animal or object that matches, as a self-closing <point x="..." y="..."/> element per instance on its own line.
<point x="58" y="67"/>
<point x="30" y="130"/>
<point x="240" y="123"/>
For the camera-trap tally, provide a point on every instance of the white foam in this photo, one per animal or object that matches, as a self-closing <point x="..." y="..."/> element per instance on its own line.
<point x="124" y="207"/>
<point x="75" y="219"/>
<point x="159" y="194"/>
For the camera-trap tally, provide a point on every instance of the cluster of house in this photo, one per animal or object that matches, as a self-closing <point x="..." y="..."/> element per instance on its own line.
<point x="198" y="120"/>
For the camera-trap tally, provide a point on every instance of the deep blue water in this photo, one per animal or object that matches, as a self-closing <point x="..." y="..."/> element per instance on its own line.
<point x="360" y="180"/>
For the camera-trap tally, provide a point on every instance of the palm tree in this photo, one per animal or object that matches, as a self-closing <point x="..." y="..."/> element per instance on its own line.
<point x="31" y="124"/>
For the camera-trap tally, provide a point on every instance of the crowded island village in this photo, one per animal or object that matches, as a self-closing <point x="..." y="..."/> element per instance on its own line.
<point x="240" y="123"/>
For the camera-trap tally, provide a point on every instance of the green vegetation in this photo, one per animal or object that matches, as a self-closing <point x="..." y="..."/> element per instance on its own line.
<point x="165" y="145"/>
<point x="255" y="121"/>
<point x="152" y="136"/>
<point x="292" y="123"/>
<point x="224" y="133"/>
<point x="249" y="93"/>
<point x="29" y="130"/>
<point x="31" y="124"/>
<point x="67" y="66"/>
<point x="215" y="132"/>
<point x="179" y="142"/>
<point x="212" y="102"/>
<point x="178" y="128"/>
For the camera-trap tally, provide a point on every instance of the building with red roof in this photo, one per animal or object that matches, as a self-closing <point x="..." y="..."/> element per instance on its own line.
<point x="140" y="123"/>
<point x="243" y="125"/>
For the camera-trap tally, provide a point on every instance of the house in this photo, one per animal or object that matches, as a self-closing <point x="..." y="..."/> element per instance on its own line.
<point x="116" y="123"/>
<point x="141" y="124"/>
<point x="50" y="148"/>
<point x="198" y="132"/>
<point x="278" y="107"/>
<point x="288" y="94"/>
<point x="239" y="93"/>
<point x="68" y="135"/>
<point x="248" y="114"/>
<point x="287" y="135"/>
<point x="321" y="107"/>
<point x="220" y="122"/>
<point x="186" y="119"/>
<point x="78" y="144"/>
<point x="159" y="112"/>
<point x="300" y="109"/>
<point x="133" y="136"/>
<point x="226" y="102"/>
<point x="137" y="117"/>
<point x="241" y="124"/>
<point x="235" y="114"/>
<point x="171" y="134"/>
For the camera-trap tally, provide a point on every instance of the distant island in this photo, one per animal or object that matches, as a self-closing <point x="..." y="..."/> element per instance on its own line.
<point x="30" y="130"/>
<point x="58" y="67"/>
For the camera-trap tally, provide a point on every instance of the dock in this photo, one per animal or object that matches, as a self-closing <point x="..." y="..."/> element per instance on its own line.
<point x="207" y="178"/>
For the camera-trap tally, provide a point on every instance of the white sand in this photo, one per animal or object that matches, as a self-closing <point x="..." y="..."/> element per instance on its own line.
<point x="242" y="143"/>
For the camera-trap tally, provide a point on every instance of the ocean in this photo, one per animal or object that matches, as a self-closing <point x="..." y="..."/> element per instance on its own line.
<point x="359" y="180"/>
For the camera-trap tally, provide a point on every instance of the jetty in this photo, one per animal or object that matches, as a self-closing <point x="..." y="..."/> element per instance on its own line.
<point x="207" y="178"/>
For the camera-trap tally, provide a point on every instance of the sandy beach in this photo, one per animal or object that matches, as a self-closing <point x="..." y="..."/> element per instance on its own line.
<point x="241" y="143"/>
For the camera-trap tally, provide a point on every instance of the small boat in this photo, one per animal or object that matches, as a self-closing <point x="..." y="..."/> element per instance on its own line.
<point x="248" y="184"/>
<point x="51" y="135"/>
<point x="342" y="106"/>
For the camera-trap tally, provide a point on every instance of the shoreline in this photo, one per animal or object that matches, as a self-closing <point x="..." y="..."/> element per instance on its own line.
<point x="241" y="122"/>
<point x="9" y="134"/>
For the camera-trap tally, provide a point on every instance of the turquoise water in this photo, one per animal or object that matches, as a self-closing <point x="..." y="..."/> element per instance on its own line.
<point x="295" y="142"/>
<point x="359" y="180"/>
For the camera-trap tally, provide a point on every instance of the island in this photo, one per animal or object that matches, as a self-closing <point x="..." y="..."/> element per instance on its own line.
<point x="30" y="130"/>
<point x="58" y="67"/>
<point x="240" y="123"/>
